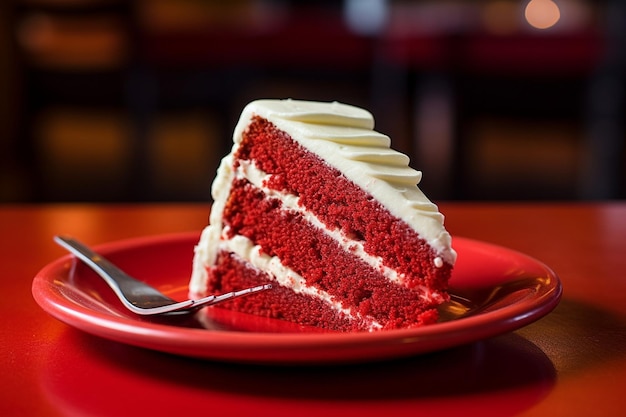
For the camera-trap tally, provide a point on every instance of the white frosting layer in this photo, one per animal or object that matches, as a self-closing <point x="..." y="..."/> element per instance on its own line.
<point x="343" y="136"/>
<point x="247" y="170"/>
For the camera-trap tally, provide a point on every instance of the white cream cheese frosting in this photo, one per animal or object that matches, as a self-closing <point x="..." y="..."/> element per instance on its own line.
<point x="343" y="136"/>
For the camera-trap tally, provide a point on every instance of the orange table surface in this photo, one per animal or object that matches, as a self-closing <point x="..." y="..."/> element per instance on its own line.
<point x="570" y="363"/>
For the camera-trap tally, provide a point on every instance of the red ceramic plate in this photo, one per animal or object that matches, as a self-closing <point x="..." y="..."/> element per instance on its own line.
<point x="494" y="290"/>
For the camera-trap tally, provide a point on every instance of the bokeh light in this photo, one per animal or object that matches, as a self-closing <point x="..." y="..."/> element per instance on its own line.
<point x="542" y="14"/>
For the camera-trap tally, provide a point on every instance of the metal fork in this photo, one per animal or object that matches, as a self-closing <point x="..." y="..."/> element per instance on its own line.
<point x="137" y="296"/>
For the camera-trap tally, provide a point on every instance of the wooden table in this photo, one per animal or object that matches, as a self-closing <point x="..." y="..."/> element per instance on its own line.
<point x="570" y="363"/>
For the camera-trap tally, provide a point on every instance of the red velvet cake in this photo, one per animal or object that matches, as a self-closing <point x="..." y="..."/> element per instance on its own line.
<point x="312" y="200"/>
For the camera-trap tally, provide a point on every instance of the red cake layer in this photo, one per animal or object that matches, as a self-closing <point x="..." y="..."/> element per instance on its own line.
<point x="232" y="274"/>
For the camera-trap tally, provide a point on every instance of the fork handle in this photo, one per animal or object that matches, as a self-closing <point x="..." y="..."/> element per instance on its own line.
<point x="120" y="282"/>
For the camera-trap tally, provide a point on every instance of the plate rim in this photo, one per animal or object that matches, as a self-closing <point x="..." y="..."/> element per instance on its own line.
<point x="374" y="345"/>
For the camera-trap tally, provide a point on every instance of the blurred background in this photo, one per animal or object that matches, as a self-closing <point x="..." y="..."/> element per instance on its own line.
<point x="135" y="101"/>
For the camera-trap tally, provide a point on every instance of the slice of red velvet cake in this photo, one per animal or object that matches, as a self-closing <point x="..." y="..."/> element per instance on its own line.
<point x="312" y="200"/>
